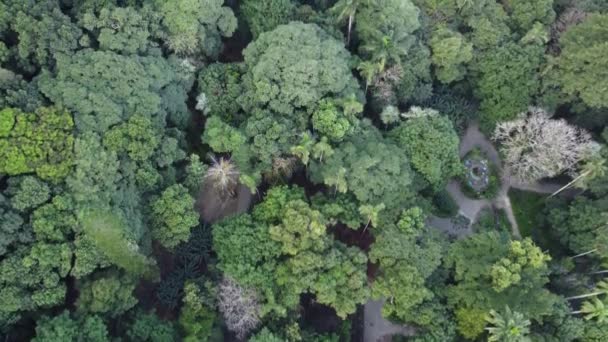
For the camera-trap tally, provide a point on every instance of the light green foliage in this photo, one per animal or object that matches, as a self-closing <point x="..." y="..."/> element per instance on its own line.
<point x="174" y="216"/>
<point x="147" y="327"/>
<point x="136" y="137"/>
<point x="451" y="52"/>
<point x="473" y="294"/>
<point x="245" y="250"/>
<point x="27" y="193"/>
<point x="38" y="142"/>
<point x="196" y="26"/>
<point x="107" y="231"/>
<point x="578" y="225"/>
<point x="88" y="257"/>
<point x="196" y="318"/>
<point x="43" y="31"/>
<point x="121" y="29"/>
<point x="300" y="229"/>
<point x="12" y="228"/>
<point x="62" y="328"/>
<point x="266" y="15"/>
<point x="275" y="202"/>
<point x="330" y="121"/>
<point x="103" y="88"/>
<point x="406" y="258"/>
<point x="489" y="30"/>
<point x="265" y="335"/>
<point x="507" y="81"/>
<point x="368" y="166"/>
<point x="581" y="71"/>
<point x="523" y="256"/>
<point x="336" y="276"/>
<point x="107" y="294"/>
<point x="390" y="115"/>
<point x="430" y="141"/>
<point x="31" y="278"/>
<point x="341" y="208"/>
<point x="293" y="67"/>
<point x="222" y="137"/>
<point x="195" y="173"/>
<point x="525" y="14"/>
<point x="220" y="83"/>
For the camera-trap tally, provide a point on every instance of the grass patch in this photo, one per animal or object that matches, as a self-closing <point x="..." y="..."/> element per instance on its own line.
<point x="528" y="210"/>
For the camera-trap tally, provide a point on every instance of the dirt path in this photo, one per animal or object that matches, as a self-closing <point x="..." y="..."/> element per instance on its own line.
<point x="377" y="328"/>
<point x="471" y="207"/>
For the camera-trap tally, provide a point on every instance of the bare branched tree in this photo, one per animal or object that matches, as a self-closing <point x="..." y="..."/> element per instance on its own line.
<point x="384" y="84"/>
<point x="223" y="176"/>
<point x="536" y="146"/>
<point x="569" y="17"/>
<point x="239" y="306"/>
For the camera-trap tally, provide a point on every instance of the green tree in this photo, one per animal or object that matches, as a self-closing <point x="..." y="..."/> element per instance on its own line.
<point x="507" y="81"/>
<point x="173" y="216"/>
<point x="293" y="67"/>
<point x="346" y="10"/>
<point x="137" y="138"/>
<point x="525" y="14"/>
<point x="196" y="317"/>
<point x="507" y="326"/>
<point x="12" y="228"/>
<point x="148" y="327"/>
<point x="266" y="15"/>
<point x="196" y="26"/>
<point x="219" y="86"/>
<point x="27" y="193"/>
<point x="472" y="295"/>
<point x="451" y="53"/>
<point x="431" y="143"/>
<point x="330" y="121"/>
<point x="222" y="137"/>
<point x="39" y="142"/>
<point x="63" y="328"/>
<point x="596" y="309"/>
<point x="579" y="68"/>
<point x="108" y="293"/>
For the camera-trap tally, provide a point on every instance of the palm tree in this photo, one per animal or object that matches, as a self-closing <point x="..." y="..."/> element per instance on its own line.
<point x="592" y="169"/>
<point x="387" y="47"/>
<point x="223" y="176"/>
<point x="600" y="288"/>
<point x="347" y="10"/>
<point x="594" y="309"/>
<point x="508" y="327"/>
<point x="371" y="213"/>
<point x="368" y="70"/>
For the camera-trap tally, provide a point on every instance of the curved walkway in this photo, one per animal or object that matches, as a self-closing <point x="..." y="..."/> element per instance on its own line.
<point x="471" y="207"/>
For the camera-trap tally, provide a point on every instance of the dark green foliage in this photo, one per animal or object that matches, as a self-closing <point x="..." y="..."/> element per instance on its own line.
<point x="340" y="208"/>
<point x="108" y="294"/>
<point x="15" y="92"/>
<point x="431" y="144"/>
<point x="103" y="88"/>
<point x="507" y="81"/>
<point x="63" y="328"/>
<point x="220" y="86"/>
<point x="147" y="327"/>
<point x="39" y="142"/>
<point x="527" y="208"/>
<point x="27" y="193"/>
<point x="489" y="220"/>
<point x="304" y="60"/>
<point x="266" y="15"/>
<point x="445" y="204"/>
<point x="369" y="167"/>
<point x="12" y="228"/>
<point x="579" y="67"/>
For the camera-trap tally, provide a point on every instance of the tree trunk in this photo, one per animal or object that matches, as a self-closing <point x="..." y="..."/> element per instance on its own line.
<point x="592" y="294"/>
<point x="583" y="254"/>
<point x="599" y="272"/>
<point x="569" y="184"/>
<point x="350" y="27"/>
<point x="576" y="312"/>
